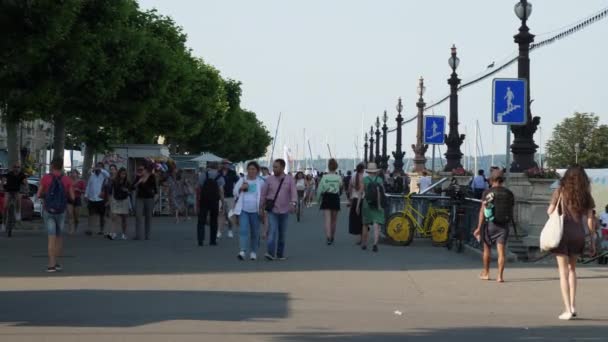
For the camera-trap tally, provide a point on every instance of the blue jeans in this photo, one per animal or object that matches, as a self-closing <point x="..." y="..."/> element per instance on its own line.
<point x="249" y="231"/>
<point x="54" y="223"/>
<point x="276" y="234"/>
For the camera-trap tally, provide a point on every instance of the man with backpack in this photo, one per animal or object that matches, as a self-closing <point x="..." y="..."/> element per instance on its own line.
<point x="230" y="179"/>
<point x="495" y="216"/>
<point x="373" y="206"/>
<point x="55" y="190"/>
<point x="210" y="198"/>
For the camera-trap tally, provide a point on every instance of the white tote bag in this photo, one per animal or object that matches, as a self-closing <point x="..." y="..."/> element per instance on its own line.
<point x="552" y="232"/>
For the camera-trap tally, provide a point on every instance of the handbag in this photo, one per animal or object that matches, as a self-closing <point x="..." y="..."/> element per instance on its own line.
<point x="552" y="232"/>
<point x="269" y="204"/>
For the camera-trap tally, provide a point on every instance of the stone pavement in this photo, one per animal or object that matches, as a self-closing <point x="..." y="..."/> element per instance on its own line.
<point x="169" y="289"/>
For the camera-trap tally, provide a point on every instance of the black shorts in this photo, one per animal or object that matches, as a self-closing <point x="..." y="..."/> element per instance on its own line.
<point x="330" y="201"/>
<point x="97" y="208"/>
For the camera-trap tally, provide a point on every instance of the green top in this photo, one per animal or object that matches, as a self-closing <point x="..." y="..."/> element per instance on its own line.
<point x="330" y="183"/>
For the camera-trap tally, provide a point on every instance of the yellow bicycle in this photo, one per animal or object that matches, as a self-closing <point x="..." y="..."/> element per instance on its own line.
<point x="401" y="226"/>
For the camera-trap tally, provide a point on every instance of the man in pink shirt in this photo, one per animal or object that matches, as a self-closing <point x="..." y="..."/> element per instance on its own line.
<point x="55" y="190"/>
<point x="280" y="198"/>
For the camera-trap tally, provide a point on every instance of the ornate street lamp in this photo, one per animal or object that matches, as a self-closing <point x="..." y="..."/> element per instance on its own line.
<point x="399" y="154"/>
<point x="371" y="145"/>
<point x="384" y="138"/>
<point x="378" y="156"/>
<point x="453" y="140"/>
<point x="365" y="149"/>
<point x="523" y="146"/>
<point x="420" y="148"/>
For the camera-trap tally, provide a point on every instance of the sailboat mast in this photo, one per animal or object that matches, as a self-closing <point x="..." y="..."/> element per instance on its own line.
<point x="274" y="141"/>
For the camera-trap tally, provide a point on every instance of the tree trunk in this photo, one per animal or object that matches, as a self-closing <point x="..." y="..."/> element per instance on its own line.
<point x="59" y="138"/>
<point x="87" y="162"/>
<point x="12" y="142"/>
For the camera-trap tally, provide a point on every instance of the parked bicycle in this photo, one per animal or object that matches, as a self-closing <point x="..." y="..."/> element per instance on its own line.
<point x="403" y="225"/>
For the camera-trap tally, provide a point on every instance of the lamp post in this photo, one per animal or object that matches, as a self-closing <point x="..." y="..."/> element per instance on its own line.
<point x="384" y="138"/>
<point x="399" y="154"/>
<point x="365" y="149"/>
<point x="378" y="156"/>
<point x="420" y="148"/>
<point x="523" y="146"/>
<point x="453" y="140"/>
<point x="371" y="144"/>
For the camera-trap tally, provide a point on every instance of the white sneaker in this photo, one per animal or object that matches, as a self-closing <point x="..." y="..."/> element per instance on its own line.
<point x="124" y="237"/>
<point x="230" y="234"/>
<point x="219" y="235"/>
<point x="253" y="256"/>
<point x="241" y="255"/>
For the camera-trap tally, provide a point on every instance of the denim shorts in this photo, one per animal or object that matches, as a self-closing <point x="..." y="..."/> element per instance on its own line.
<point x="54" y="223"/>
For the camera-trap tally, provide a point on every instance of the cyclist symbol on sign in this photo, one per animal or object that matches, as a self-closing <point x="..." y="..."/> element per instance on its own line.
<point x="509" y="97"/>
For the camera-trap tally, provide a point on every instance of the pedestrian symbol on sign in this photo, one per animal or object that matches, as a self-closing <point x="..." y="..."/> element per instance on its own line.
<point x="434" y="130"/>
<point x="510" y="106"/>
<point x="435" y="133"/>
<point x="509" y="102"/>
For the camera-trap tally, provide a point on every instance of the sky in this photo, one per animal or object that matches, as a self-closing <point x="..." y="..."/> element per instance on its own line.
<point x="332" y="66"/>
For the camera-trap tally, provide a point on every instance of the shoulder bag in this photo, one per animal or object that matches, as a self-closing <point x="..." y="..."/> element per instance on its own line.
<point x="269" y="204"/>
<point x="552" y="232"/>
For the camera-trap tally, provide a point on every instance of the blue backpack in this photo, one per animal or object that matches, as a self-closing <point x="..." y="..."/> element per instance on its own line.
<point x="56" y="200"/>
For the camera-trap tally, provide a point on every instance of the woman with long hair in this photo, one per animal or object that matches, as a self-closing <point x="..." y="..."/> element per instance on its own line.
<point x="356" y="189"/>
<point x="177" y="193"/>
<point x="119" y="204"/>
<point x="573" y="199"/>
<point x="301" y="187"/>
<point x="147" y="190"/>
<point x="310" y="190"/>
<point x="328" y="194"/>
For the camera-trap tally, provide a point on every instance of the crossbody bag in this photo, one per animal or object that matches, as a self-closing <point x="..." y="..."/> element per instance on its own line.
<point x="269" y="204"/>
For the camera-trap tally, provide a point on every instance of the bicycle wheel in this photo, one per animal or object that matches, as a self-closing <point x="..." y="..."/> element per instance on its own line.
<point x="400" y="229"/>
<point x="11" y="219"/>
<point x="299" y="211"/>
<point x="440" y="229"/>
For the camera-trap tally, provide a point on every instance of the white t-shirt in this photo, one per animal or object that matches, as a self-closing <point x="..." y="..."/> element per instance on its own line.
<point x="425" y="183"/>
<point x="301" y="184"/>
<point x="250" y="198"/>
<point x="604" y="221"/>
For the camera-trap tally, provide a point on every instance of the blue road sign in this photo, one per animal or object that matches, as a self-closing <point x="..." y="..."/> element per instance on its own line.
<point x="434" y="130"/>
<point x="509" y="105"/>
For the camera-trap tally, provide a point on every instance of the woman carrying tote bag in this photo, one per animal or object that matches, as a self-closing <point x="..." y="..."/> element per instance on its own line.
<point x="574" y="198"/>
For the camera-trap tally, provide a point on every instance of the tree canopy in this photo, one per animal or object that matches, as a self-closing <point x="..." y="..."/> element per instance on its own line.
<point x="106" y="72"/>
<point x="584" y="129"/>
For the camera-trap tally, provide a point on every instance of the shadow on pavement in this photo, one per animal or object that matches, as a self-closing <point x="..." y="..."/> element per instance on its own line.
<point x="565" y="332"/>
<point x="109" y="308"/>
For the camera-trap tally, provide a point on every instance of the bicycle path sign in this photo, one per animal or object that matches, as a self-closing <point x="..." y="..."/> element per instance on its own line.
<point x="509" y="101"/>
<point x="434" y="130"/>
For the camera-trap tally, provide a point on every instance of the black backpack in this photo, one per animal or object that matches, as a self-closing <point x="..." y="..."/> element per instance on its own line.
<point x="503" y="203"/>
<point x="210" y="191"/>
<point x="374" y="194"/>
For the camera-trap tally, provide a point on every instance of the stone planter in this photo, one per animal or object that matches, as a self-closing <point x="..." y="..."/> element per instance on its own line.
<point x="532" y="197"/>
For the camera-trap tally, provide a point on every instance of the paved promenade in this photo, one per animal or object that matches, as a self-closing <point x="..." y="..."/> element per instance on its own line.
<point x="169" y="289"/>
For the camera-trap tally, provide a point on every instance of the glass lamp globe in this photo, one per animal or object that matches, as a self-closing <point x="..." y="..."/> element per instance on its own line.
<point x="519" y="10"/>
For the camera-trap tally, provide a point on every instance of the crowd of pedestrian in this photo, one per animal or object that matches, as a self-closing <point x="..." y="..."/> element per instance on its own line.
<point x="258" y="203"/>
